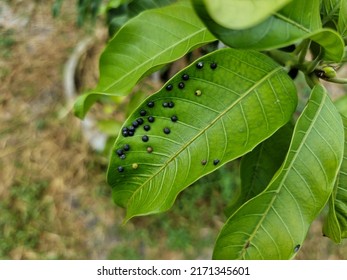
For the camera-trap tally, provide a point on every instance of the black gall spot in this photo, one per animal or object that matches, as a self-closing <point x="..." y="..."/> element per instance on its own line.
<point x="151" y="119"/>
<point x="213" y="65"/>
<point x="169" y="87"/>
<point x="150" y="104"/>
<point x="185" y="77"/>
<point x="120" y="168"/>
<point x="167" y="130"/>
<point x="200" y="65"/>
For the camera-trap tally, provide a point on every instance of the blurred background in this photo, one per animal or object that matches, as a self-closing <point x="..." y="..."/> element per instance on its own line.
<point x="54" y="200"/>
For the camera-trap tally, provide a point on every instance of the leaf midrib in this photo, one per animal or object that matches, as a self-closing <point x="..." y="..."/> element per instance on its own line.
<point x="237" y="101"/>
<point x="292" y="22"/>
<point x="288" y="169"/>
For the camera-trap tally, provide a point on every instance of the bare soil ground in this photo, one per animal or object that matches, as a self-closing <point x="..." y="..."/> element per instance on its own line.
<point x="54" y="201"/>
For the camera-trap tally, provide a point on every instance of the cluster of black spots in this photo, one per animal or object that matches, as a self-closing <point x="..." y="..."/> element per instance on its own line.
<point x="216" y="161"/>
<point x="185" y="77"/>
<point x="135" y="124"/>
<point x="200" y="65"/>
<point x="169" y="87"/>
<point x="140" y="121"/>
<point x="167" y="130"/>
<point x="125" y="132"/>
<point x="181" y="85"/>
<point x="145" y="138"/>
<point x="174" y="118"/>
<point x="146" y="127"/>
<point x="121" y="152"/>
<point x="128" y="131"/>
<point x="168" y="104"/>
<point x="150" y="104"/>
<point x="151" y="119"/>
<point x="213" y="65"/>
<point x="203" y="162"/>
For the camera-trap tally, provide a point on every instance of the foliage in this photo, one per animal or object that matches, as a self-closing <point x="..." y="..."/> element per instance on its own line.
<point x="236" y="102"/>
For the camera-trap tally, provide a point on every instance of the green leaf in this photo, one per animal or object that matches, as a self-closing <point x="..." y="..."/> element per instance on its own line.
<point x="341" y="105"/>
<point x="335" y="226"/>
<point x="273" y="225"/>
<point x="260" y="165"/>
<point x="342" y="22"/>
<point x="235" y="14"/>
<point x="222" y="114"/>
<point x="145" y="43"/>
<point x="297" y="21"/>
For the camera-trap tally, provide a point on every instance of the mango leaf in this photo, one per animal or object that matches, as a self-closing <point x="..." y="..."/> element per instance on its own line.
<point x="212" y="112"/>
<point x="264" y="227"/>
<point x="342" y="22"/>
<point x="237" y="14"/>
<point x="341" y="105"/>
<point x="145" y="43"/>
<point x="260" y="165"/>
<point x="297" y="21"/>
<point x="335" y="226"/>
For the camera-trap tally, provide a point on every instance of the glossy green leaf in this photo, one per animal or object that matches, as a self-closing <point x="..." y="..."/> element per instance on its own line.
<point x="335" y="226"/>
<point x="260" y="165"/>
<point x="274" y="224"/>
<point x="342" y="22"/>
<point x="236" y="14"/>
<point x="297" y="21"/>
<point x="142" y="45"/>
<point x="222" y="114"/>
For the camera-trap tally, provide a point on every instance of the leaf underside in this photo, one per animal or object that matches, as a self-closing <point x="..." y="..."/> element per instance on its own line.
<point x="274" y="224"/>
<point x="229" y="105"/>
<point x="144" y="44"/>
<point x="259" y="166"/>
<point x="297" y="21"/>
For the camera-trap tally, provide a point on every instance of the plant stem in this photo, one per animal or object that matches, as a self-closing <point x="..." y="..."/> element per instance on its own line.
<point x="336" y="80"/>
<point x="283" y="58"/>
<point x="305" y="47"/>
